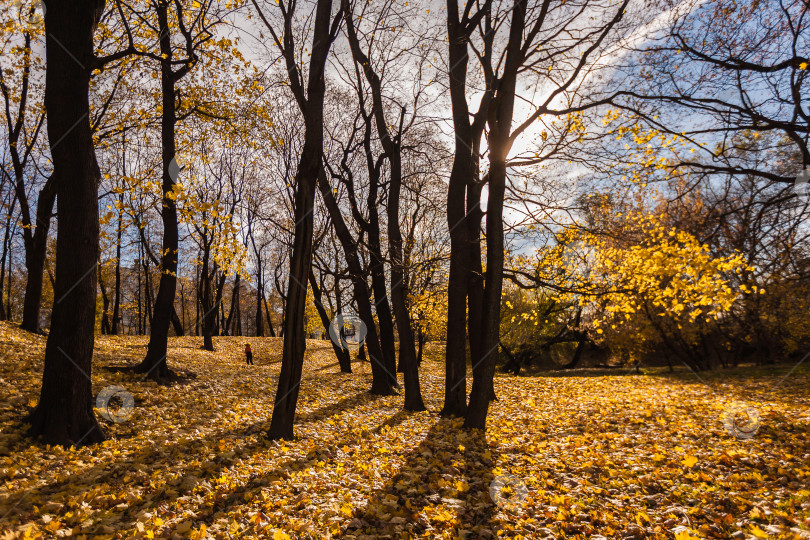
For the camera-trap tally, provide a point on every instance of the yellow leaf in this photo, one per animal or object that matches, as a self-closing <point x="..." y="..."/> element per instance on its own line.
<point x="200" y="533"/>
<point x="685" y="534"/>
<point x="689" y="461"/>
<point x="443" y="515"/>
<point x="759" y="533"/>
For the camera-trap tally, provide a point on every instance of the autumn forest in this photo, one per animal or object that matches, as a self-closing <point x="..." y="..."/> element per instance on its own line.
<point x="365" y="269"/>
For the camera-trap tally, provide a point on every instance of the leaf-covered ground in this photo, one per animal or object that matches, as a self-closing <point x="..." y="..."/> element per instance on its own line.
<point x="623" y="456"/>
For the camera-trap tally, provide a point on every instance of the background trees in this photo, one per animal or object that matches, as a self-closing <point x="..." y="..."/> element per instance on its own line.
<point x="29" y="178"/>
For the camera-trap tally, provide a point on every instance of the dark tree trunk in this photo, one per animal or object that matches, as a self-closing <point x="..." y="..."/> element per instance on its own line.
<point x="383" y="308"/>
<point x="232" y="309"/>
<point x="64" y="414"/>
<point x="259" y="297"/>
<point x="269" y="319"/>
<point x="393" y="150"/>
<point x="475" y="275"/>
<point x="238" y="325"/>
<point x="117" y="301"/>
<point x="105" y="302"/>
<point x="206" y="300"/>
<point x="35" y="254"/>
<point x="10" y="275"/>
<point x="177" y="324"/>
<point x="306" y="177"/>
<point x="407" y="350"/>
<point x="463" y="214"/>
<point x="140" y="287"/>
<point x="341" y="353"/>
<point x="6" y="249"/>
<point x="455" y="393"/>
<point x="292" y="362"/>
<point x="198" y="297"/>
<point x="462" y="172"/>
<point x="283" y="297"/>
<point x="500" y="126"/>
<point x="421" y="343"/>
<point x="381" y="376"/>
<point x="220" y="329"/>
<point x="212" y="307"/>
<point x="484" y="369"/>
<point x="183" y="307"/>
<point x="154" y="364"/>
<point x="147" y="297"/>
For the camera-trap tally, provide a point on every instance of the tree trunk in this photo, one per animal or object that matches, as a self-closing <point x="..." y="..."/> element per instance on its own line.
<point x="500" y="125"/>
<point x="198" y="297"/>
<point x="455" y="391"/>
<point x="34" y="234"/>
<point x="10" y="275"/>
<point x="117" y="302"/>
<point x="183" y="306"/>
<point x="269" y="319"/>
<point x="232" y="309"/>
<point x="212" y="307"/>
<point x="154" y="364"/>
<point x="177" y="324"/>
<point x="407" y="349"/>
<point x="381" y="376"/>
<point x="393" y="150"/>
<point x="147" y="297"/>
<point x="421" y="343"/>
<point x="306" y="177"/>
<point x="475" y="270"/>
<point x="292" y="360"/>
<point x="35" y="255"/>
<point x="238" y="324"/>
<point x="140" y="287"/>
<point x="259" y="297"/>
<point x="283" y="306"/>
<point x="105" y="302"/>
<point x="484" y="369"/>
<point x="342" y="354"/>
<point x="383" y="309"/>
<point x="6" y="249"/>
<point x="206" y="301"/>
<point x="64" y="414"/>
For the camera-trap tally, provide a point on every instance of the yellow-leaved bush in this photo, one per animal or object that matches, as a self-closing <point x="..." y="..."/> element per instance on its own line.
<point x="660" y="287"/>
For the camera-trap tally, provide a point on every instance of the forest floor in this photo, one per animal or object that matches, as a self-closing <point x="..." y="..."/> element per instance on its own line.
<point x="624" y="456"/>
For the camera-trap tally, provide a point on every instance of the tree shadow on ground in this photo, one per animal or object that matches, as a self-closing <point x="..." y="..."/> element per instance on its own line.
<point x="442" y="486"/>
<point x="394" y="420"/>
<point x="339" y="406"/>
<point x="354" y="362"/>
<point x="176" y="377"/>
<point x="442" y="442"/>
